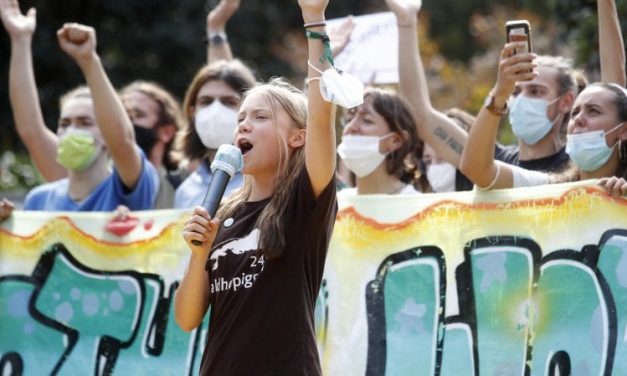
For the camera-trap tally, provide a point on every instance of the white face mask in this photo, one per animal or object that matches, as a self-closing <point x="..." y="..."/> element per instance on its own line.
<point x="340" y="88"/>
<point x="216" y="124"/>
<point x="361" y="154"/>
<point x="529" y="120"/>
<point x="441" y="176"/>
<point x="589" y="150"/>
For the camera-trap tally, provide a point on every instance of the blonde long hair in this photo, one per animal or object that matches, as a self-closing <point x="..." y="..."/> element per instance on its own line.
<point x="272" y="222"/>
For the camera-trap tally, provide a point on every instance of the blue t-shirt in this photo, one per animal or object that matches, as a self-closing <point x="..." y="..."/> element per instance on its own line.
<point x="192" y="190"/>
<point x="106" y="196"/>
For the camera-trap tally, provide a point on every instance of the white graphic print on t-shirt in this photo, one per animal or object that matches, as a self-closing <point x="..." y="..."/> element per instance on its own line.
<point x="237" y="247"/>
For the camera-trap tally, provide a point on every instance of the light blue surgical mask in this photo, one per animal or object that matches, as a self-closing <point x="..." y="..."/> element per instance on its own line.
<point x="528" y="118"/>
<point x="589" y="150"/>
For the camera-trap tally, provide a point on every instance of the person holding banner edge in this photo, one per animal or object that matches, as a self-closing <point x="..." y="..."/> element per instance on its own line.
<point x="261" y="260"/>
<point x="596" y="135"/>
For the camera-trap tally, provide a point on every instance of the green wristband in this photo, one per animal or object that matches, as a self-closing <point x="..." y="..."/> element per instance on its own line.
<point x="326" y="45"/>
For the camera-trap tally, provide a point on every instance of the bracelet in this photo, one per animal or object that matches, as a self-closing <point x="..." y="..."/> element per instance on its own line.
<point x="314" y="24"/>
<point x="496" y="176"/>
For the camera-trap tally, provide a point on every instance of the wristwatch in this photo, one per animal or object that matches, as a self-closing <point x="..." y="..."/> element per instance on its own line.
<point x="490" y="106"/>
<point x="216" y="38"/>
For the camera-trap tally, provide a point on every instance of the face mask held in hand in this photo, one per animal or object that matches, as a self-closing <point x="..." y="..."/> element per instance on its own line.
<point x="361" y="154"/>
<point x="589" y="150"/>
<point x="529" y="120"/>
<point x="77" y="150"/>
<point x="215" y="125"/>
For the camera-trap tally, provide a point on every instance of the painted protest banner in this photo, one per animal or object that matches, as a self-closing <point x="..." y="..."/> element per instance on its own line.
<point x="510" y="282"/>
<point x="81" y="294"/>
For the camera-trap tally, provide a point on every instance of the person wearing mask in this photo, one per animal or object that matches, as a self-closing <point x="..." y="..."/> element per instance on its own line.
<point x="288" y="147"/>
<point x="441" y="133"/>
<point x="156" y="118"/>
<point x="211" y="104"/>
<point x="539" y="110"/>
<point x="94" y="126"/>
<point x="596" y="138"/>
<point x="380" y="146"/>
<point x="442" y="175"/>
<point x="155" y="113"/>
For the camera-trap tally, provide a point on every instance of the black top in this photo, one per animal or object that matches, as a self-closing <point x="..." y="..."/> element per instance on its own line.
<point x="509" y="154"/>
<point x="262" y="311"/>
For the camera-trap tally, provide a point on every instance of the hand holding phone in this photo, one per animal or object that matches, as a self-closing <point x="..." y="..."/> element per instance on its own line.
<point x="519" y="31"/>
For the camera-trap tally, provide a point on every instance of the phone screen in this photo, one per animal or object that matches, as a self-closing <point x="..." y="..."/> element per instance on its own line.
<point x="519" y="35"/>
<point x="518" y="31"/>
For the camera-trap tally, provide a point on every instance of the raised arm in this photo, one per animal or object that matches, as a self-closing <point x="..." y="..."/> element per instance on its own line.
<point x="79" y="42"/>
<point x="341" y="35"/>
<point x="320" y="137"/>
<point x="434" y="127"/>
<point x="40" y="141"/>
<point x="218" y="47"/>
<point x="477" y="161"/>
<point x="611" y="45"/>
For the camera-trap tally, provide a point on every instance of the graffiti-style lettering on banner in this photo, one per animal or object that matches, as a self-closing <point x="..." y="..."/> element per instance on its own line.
<point x="513" y="282"/>
<point x="516" y="282"/>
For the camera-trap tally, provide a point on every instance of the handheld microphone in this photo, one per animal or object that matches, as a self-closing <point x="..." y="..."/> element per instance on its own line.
<point x="227" y="162"/>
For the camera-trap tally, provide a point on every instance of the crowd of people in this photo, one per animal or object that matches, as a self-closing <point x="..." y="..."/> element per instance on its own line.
<point x="140" y="149"/>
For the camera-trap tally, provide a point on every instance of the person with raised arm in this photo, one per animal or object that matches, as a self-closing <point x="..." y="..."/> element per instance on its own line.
<point x="39" y="140"/>
<point x="441" y="132"/>
<point x="93" y="127"/>
<point x="596" y="135"/>
<point x="154" y="112"/>
<point x="260" y="262"/>
<point x="218" y="47"/>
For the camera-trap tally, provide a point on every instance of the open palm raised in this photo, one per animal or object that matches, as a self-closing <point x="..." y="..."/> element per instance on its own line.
<point x="14" y="21"/>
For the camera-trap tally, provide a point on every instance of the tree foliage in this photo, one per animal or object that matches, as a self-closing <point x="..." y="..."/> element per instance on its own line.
<point x="163" y="40"/>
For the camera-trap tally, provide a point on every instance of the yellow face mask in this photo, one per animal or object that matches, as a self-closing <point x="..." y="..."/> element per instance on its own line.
<point x="77" y="150"/>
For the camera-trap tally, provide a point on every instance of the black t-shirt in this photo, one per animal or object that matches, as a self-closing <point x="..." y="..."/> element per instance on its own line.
<point x="262" y="311"/>
<point x="509" y="154"/>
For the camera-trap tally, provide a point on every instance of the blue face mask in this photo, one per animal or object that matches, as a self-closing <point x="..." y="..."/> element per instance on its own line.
<point x="529" y="120"/>
<point x="589" y="150"/>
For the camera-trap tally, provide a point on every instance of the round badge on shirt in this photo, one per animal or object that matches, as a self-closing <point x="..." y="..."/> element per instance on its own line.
<point x="228" y="222"/>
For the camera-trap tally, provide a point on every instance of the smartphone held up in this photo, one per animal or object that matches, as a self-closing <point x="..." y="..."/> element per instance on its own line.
<point x="519" y="31"/>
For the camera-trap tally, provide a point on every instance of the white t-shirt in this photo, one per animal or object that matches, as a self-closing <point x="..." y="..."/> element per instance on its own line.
<point x="407" y="190"/>
<point x="527" y="178"/>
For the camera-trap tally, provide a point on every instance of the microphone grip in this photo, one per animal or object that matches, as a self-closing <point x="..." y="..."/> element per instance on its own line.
<point x="214" y="194"/>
